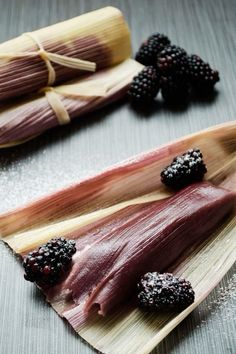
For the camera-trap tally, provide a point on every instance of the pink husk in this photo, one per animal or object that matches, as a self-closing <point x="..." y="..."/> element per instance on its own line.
<point x="126" y="180"/>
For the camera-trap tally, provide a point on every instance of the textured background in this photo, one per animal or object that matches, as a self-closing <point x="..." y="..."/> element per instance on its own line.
<point x="62" y="156"/>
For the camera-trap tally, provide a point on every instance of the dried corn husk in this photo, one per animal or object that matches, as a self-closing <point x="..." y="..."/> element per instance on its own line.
<point x="131" y="182"/>
<point x="60" y="52"/>
<point x="61" y="104"/>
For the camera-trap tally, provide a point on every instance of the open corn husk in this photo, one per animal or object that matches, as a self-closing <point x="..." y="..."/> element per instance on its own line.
<point x="60" y="52"/>
<point x="60" y="104"/>
<point x="131" y="182"/>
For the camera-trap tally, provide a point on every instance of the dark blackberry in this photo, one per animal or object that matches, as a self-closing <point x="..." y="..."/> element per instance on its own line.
<point x="175" y="89"/>
<point x="48" y="263"/>
<point x="145" y="85"/>
<point x="147" y="53"/>
<point x="201" y="75"/>
<point x="164" y="292"/>
<point x="171" y="58"/>
<point x="184" y="170"/>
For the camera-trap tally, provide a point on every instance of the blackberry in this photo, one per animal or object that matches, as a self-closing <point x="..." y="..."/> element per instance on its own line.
<point x="147" y="53"/>
<point x="175" y="88"/>
<point x="164" y="292"/>
<point x="184" y="170"/>
<point x="145" y="85"/>
<point x="171" y="58"/>
<point x="201" y="75"/>
<point x="48" y="263"/>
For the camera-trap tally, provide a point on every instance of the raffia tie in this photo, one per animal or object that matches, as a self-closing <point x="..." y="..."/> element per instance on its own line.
<point x="50" y="58"/>
<point x="85" y="89"/>
<point x="81" y="90"/>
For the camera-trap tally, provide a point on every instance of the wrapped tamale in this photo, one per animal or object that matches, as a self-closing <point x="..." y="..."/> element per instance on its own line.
<point x="63" y="51"/>
<point x="60" y="104"/>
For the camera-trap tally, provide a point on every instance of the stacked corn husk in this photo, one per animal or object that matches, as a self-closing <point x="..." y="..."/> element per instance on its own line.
<point x="131" y="182"/>
<point x="100" y="37"/>
<point x="36" y="60"/>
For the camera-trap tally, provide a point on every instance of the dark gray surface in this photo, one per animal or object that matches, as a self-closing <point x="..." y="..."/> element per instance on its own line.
<point x="62" y="156"/>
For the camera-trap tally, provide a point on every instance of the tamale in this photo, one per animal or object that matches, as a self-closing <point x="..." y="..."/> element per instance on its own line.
<point x="60" y="52"/>
<point x="61" y="104"/>
<point x="74" y="211"/>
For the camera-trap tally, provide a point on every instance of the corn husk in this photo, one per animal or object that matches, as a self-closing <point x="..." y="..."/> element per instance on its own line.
<point x="61" y="104"/>
<point x="97" y="39"/>
<point x="131" y="182"/>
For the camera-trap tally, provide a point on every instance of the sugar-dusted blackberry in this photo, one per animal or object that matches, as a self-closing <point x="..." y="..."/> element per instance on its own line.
<point x="147" y="53"/>
<point x="175" y="89"/>
<point x="184" y="169"/>
<point x="164" y="292"/>
<point x="48" y="263"/>
<point x="171" y="58"/>
<point x="145" y="85"/>
<point x="201" y="75"/>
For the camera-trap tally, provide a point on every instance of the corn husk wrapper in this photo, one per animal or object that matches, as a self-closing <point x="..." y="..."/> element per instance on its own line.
<point x="131" y="182"/>
<point x="91" y="41"/>
<point x="37" y="114"/>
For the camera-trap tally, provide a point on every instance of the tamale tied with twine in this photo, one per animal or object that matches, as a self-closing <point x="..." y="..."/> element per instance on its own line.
<point x="58" y="105"/>
<point x="60" y="52"/>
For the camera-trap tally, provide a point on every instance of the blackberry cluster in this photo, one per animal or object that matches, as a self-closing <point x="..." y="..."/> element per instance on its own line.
<point x="178" y="71"/>
<point x="164" y="292"/>
<point x="48" y="263"/>
<point x="149" y="49"/>
<point x="184" y="169"/>
<point x="201" y="76"/>
<point x="145" y="85"/>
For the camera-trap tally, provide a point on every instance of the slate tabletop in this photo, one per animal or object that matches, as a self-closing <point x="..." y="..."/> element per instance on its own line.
<point x="64" y="155"/>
